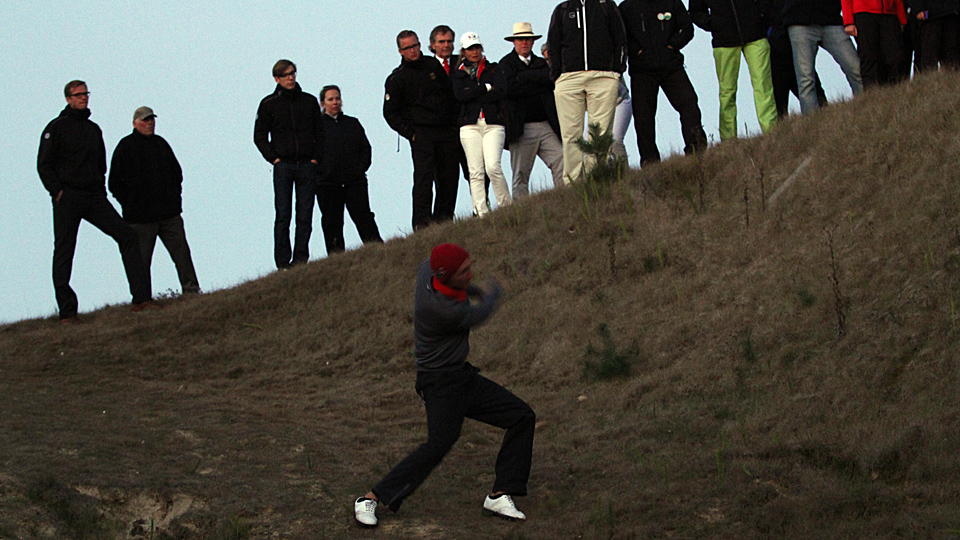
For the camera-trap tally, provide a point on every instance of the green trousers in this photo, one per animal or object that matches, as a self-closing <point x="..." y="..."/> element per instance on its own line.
<point x="757" y="54"/>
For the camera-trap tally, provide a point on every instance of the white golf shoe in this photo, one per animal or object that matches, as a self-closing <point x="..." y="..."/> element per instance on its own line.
<point x="364" y="511"/>
<point x="502" y="507"/>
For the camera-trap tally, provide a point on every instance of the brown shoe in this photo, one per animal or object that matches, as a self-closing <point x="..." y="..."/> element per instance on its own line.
<point x="148" y="305"/>
<point x="70" y="321"/>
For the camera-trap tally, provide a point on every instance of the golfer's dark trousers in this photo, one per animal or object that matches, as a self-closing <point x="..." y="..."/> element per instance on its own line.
<point x="436" y="166"/>
<point x="73" y="206"/>
<point x="645" y="87"/>
<point x="880" y="48"/>
<point x="450" y="397"/>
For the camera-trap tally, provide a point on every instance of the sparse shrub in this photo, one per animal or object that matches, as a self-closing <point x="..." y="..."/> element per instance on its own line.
<point x="606" y="362"/>
<point x="231" y="528"/>
<point x="76" y="513"/>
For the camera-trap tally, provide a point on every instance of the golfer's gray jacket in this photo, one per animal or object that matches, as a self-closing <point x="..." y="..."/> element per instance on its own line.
<point x="441" y="325"/>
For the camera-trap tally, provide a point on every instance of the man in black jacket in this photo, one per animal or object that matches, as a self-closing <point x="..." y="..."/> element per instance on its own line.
<point x="72" y="163"/>
<point x="656" y="31"/>
<point x="739" y="27"/>
<point x="343" y="180"/>
<point x="418" y="104"/>
<point x="146" y="178"/>
<point x="289" y="134"/>
<point x="587" y="55"/>
<point x="939" y="32"/>
<point x="533" y="128"/>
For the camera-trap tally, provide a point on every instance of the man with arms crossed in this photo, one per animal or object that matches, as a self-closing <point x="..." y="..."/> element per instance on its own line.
<point x="534" y="129"/>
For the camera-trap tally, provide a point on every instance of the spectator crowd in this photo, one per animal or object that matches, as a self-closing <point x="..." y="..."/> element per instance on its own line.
<point x="460" y="111"/>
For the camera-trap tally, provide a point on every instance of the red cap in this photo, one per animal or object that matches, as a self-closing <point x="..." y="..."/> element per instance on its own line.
<point x="446" y="259"/>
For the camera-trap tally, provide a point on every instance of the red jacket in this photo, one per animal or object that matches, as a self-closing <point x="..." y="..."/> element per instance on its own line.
<point x="890" y="7"/>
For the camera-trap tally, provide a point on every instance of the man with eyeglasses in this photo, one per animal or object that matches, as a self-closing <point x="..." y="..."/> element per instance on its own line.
<point x="72" y="163"/>
<point x="289" y="134"/>
<point x="418" y="104"/>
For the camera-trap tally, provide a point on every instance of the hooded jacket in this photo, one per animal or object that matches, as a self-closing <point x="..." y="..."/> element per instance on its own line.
<point x="289" y="126"/>
<point x="880" y="7"/>
<point x="418" y="95"/>
<point x="72" y="154"/>
<point x="146" y="178"/>
<point x="586" y="35"/>
<point x="733" y="23"/>
<point x="811" y="13"/>
<point x="656" y="31"/>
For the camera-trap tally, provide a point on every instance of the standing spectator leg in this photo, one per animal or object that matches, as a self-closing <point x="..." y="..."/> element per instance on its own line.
<point x="601" y="94"/>
<point x="571" y="106"/>
<point x="447" y="175"/>
<point x="424" y="176"/>
<point x="523" y="153"/>
<point x="840" y="46"/>
<point x="492" y="147"/>
<point x="682" y="96"/>
<point x="330" y="199"/>
<point x="646" y="90"/>
<point x="757" y="54"/>
<point x="102" y="215"/>
<point x="67" y="213"/>
<point x="305" y="183"/>
<point x="357" y="198"/>
<point x="283" y="178"/>
<point x="147" y="237"/>
<point x="727" y="60"/>
<point x="174" y="237"/>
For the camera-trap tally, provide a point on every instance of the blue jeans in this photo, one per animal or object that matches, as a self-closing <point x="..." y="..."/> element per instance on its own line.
<point x="806" y="40"/>
<point x="290" y="178"/>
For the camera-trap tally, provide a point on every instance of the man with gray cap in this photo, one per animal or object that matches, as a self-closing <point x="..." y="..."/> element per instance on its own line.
<point x="146" y="178"/>
<point x="533" y="129"/>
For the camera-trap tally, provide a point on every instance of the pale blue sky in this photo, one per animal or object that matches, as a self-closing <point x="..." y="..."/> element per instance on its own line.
<point x="203" y="67"/>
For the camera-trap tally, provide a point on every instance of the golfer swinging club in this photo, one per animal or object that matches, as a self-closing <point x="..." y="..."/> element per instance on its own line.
<point x="453" y="390"/>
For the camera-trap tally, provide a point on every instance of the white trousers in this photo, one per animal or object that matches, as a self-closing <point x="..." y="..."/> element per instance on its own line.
<point x="538" y="139"/>
<point x="483" y="146"/>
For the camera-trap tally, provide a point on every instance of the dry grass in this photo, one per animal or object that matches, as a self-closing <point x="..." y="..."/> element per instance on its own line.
<point x="793" y="368"/>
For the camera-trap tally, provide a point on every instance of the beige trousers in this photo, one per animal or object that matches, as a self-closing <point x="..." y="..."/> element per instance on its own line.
<point x="576" y="93"/>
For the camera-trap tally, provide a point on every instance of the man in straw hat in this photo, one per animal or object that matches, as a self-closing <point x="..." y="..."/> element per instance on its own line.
<point x="452" y="390"/>
<point x="533" y="129"/>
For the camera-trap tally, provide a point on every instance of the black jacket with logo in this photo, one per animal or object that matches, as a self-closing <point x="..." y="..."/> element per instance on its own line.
<point x="146" y="178"/>
<point x="347" y="154"/>
<point x="733" y="23"/>
<point x="72" y="154"/>
<point x="418" y="94"/>
<point x="289" y="126"/>
<point x="656" y="31"/>
<point x="586" y="35"/>
<point x="529" y="94"/>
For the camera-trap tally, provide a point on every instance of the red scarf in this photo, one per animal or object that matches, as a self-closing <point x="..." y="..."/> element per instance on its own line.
<point x="449" y="292"/>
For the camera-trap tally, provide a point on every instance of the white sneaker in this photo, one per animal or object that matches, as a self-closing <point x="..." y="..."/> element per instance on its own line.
<point x="502" y="507"/>
<point x="364" y="511"/>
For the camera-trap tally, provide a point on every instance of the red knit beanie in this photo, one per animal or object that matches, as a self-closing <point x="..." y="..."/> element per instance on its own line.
<point x="448" y="258"/>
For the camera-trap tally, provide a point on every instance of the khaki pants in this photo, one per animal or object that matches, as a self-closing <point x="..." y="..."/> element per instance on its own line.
<point x="576" y="93"/>
<point x="538" y="139"/>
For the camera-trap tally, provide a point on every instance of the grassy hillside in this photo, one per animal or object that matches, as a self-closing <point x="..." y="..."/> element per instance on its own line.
<point x="787" y="308"/>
